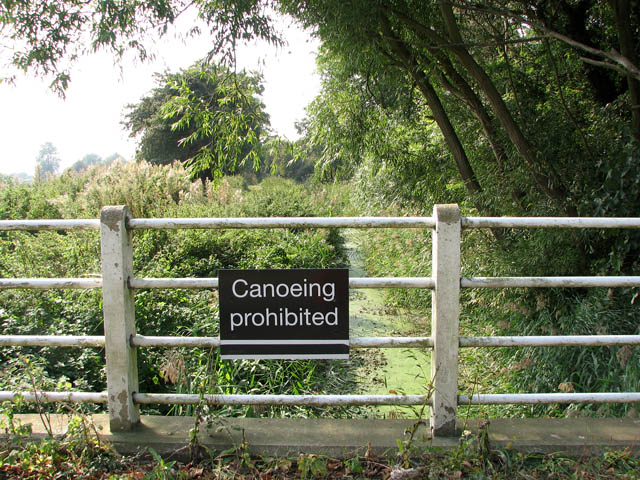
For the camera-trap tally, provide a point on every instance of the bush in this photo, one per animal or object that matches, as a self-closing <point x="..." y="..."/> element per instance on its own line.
<point x="152" y="191"/>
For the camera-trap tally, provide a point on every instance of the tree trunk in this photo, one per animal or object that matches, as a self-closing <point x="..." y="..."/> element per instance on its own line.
<point x="622" y="12"/>
<point x="549" y="182"/>
<point x="466" y="93"/>
<point x="402" y="52"/>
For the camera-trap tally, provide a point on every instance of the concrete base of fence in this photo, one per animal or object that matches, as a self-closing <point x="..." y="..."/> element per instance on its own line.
<point x="169" y="436"/>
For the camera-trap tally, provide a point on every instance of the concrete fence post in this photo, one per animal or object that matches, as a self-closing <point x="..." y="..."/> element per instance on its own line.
<point x="119" y="317"/>
<point x="445" y="311"/>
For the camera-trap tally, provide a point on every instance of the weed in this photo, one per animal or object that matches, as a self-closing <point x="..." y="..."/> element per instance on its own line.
<point x="406" y="447"/>
<point x="312" y="466"/>
<point x="161" y="470"/>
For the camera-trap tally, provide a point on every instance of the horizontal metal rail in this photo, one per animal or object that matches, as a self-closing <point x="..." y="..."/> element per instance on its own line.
<point x="534" y="282"/>
<point x="54" y="397"/>
<point x="212" y="282"/>
<point x="82" y="224"/>
<point x="289" y="400"/>
<point x="418" y="342"/>
<point x="211" y="342"/>
<point x="325" y="400"/>
<point x="357" y="342"/>
<point x="324" y="222"/>
<point x="391" y="342"/>
<point x="354" y="282"/>
<point x="138" y="283"/>
<point x="281" y="222"/>
<point x="52" y="341"/>
<point x="551" y="341"/>
<point x="174" y="342"/>
<point x="46" y="283"/>
<point x="538" y="398"/>
<point x="391" y="282"/>
<point x="549" y="222"/>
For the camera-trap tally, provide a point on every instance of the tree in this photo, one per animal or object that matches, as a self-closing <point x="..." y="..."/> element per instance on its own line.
<point x="526" y="128"/>
<point x="398" y="36"/>
<point x="376" y="132"/>
<point x="483" y="54"/>
<point x="287" y="159"/>
<point x="206" y="116"/>
<point x="47" y="37"/>
<point x="466" y="51"/>
<point x="47" y="161"/>
<point x="92" y="159"/>
<point x="87" y="161"/>
<point x="512" y="90"/>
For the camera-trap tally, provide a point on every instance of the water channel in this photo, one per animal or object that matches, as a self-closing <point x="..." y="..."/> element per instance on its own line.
<point x="388" y="370"/>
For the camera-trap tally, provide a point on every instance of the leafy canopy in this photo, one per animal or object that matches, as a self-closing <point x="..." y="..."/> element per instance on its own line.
<point x="206" y="116"/>
<point x="491" y="76"/>
<point x="45" y="38"/>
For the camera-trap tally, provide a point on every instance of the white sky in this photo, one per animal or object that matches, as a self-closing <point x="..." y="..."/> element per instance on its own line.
<point x="88" y="121"/>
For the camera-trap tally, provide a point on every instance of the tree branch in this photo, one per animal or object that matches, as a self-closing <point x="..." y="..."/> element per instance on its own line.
<point x="622" y="63"/>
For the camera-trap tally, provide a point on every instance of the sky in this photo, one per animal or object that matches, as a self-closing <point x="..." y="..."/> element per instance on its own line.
<point x="89" y="119"/>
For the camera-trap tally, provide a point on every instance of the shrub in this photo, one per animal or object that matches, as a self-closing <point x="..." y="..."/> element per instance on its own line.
<point x="154" y="191"/>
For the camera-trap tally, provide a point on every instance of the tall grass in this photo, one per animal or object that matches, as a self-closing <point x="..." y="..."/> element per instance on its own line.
<point x="157" y="191"/>
<point x="523" y="312"/>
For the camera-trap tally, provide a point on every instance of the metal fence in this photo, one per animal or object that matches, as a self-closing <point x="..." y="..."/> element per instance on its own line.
<point x="120" y="341"/>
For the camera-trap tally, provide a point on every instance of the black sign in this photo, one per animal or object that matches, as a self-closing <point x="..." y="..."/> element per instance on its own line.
<point x="284" y="314"/>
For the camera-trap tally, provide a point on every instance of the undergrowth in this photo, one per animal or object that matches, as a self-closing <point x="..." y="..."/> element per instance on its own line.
<point x="159" y="191"/>
<point x="519" y="312"/>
